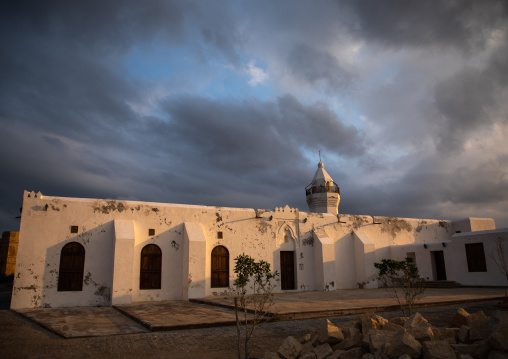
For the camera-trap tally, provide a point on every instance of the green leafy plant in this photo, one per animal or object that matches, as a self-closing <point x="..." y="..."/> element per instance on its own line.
<point x="253" y="289"/>
<point x="402" y="281"/>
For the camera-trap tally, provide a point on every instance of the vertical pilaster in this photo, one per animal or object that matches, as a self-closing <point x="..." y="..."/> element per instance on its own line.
<point x="194" y="262"/>
<point x="324" y="261"/>
<point x="123" y="260"/>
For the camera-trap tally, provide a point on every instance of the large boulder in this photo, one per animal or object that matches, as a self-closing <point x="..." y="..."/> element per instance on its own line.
<point x="449" y="334"/>
<point x="414" y="321"/>
<point x="464" y="334"/>
<point x="494" y="354"/>
<point x="336" y="354"/>
<point x="329" y="333"/>
<point x="422" y="333"/>
<point x="355" y="353"/>
<point x="309" y="355"/>
<point x="479" y="328"/>
<point x="499" y="319"/>
<point x="369" y="321"/>
<point x="399" y="320"/>
<point x="270" y="355"/>
<point x="498" y="340"/>
<point x="323" y="351"/>
<point x="464" y="349"/>
<point x="306" y="348"/>
<point x="349" y="343"/>
<point x="459" y="318"/>
<point x="290" y="348"/>
<point x="438" y="349"/>
<point x="392" y="327"/>
<point x="377" y="338"/>
<point x="403" y="343"/>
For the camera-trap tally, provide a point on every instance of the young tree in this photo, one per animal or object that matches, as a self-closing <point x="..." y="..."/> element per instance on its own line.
<point x="252" y="302"/>
<point x="500" y="256"/>
<point x="402" y="281"/>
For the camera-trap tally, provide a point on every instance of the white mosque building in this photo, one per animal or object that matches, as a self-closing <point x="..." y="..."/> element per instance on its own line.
<point x="95" y="252"/>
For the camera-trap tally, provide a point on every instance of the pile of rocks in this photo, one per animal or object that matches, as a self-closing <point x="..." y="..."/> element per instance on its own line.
<point x="370" y="336"/>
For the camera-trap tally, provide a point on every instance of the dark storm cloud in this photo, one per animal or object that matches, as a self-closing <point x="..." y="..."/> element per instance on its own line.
<point x="462" y="24"/>
<point x="318" y="68"/>
<point x="245" y="136"/>
<point x="468" y="100"/>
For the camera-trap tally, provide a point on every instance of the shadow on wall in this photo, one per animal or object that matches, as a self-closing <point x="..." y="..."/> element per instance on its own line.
<point x="97" y="275"/>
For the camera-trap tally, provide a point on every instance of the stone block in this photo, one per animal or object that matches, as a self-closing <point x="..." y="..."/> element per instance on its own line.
<point x="414" y="321"/>
<point x="422" y="333"/>
<point x="306" y="338"/>
<point x="349" y="343"/>
<point x="392" y="327"/>
<point x="290" y="348"/>
<point x="449" y="334"/>
<point x="355" y="353"/>
<point x="475" y="316"/>
<point x="377" y="338"/>
<point x="438" y="349"/>
<point x="271" y="355"/>
<point x="464" y="334"/>
<point x="479" y="328"/>
<point x="494" y="354"/>
<point x="399" y="320"/>
<point x="369" y="321"/>
<point x="309" y="355"/>
<point x="498" y="340"/>
<point x="368" y="356"/>
<point x="459" y="318"/>
<point x="329" y="333"/>
<point x="466" y="349"/>
<point x="499" y="319"/>
<point x="403" y="343"/>
<point x="465" y="356"/>
<point x="336" y="354"/>
<point x="482" y="350"/>
<point x="306" y="348"/>
<point x="323" y="351"/>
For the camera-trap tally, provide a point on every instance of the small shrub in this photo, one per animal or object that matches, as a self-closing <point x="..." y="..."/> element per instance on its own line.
<point x="402" y="281"/>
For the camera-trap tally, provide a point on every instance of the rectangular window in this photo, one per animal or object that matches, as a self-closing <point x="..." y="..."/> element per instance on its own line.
<point x="151" y="232"/>
<point x="219" y="235"/>
<point x="475" y="257"/>
<point x="411" y="255"/>
<point x="74" y="229"/>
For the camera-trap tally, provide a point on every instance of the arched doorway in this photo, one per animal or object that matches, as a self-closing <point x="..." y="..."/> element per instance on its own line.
<point x="72" y="264"/>
<point x="220" y="267"/>
<point x="151" y="265"/>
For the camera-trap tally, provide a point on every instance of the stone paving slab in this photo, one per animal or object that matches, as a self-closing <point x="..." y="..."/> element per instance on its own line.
<point x="305" y="305"/>
<point x="173" y="315"/>
<point x="83" y="321"/>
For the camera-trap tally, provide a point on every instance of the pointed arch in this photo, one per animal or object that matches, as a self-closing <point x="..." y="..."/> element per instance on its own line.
<point x="72" y="265"/>
<point x="151" y="267"/>
<point x="220" y="267"/>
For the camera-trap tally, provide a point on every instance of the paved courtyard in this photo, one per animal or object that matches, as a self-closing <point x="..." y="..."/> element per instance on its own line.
<point x="21" y="337"/>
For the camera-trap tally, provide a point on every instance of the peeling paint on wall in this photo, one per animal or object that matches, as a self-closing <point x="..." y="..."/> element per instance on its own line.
<point x="395" y="225"/>
<point x="111" y="206"/>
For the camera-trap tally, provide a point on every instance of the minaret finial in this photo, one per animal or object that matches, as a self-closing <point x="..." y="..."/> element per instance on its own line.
<point x="319" y="156"/>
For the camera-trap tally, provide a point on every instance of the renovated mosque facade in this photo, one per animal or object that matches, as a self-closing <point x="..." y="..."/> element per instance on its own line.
<point x="93" y="252"/>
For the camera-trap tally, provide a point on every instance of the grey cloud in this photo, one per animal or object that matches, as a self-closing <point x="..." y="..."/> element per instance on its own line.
<point x="466" y="101"/>
<point x="462" y="24"/>
<point x="318" y="68"/>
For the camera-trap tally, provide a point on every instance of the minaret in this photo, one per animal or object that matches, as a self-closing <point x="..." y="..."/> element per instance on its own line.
<point x="323" y="195"/>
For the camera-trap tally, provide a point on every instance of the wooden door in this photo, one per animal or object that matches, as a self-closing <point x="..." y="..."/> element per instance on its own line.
<point x="440" y="265"/>
<point x="287" y="270"/>
<point x="220" y="267"/>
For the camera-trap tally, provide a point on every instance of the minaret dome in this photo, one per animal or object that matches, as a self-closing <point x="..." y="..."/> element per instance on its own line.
<point x="323" y="195"/>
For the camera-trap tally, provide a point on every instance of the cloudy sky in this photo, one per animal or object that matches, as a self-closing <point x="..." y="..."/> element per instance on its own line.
<point x="228" y="103"/>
